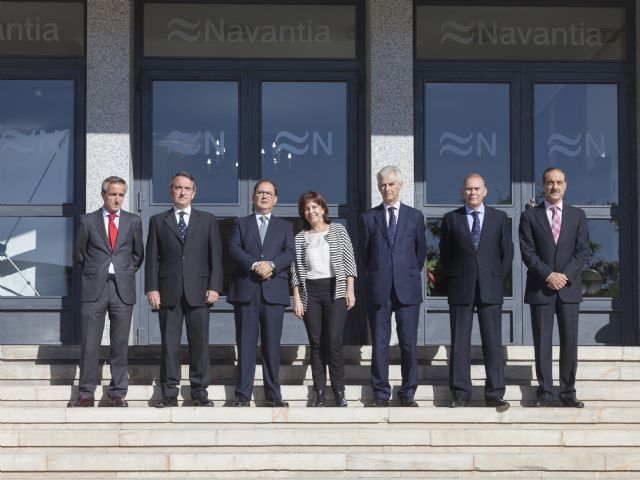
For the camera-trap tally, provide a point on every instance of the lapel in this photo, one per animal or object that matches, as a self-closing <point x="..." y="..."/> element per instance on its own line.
<point x="541" y="215"/>
<point x="463" y="225"/>
<point x="253" y="229"/>
<point x="99" y="225"/>
<point x="123" y="226"/>
<point x="170" y="220"/>
<point x="270" y="230"/>
<point x="401" y="219"/>
<point x="380" y="217"/>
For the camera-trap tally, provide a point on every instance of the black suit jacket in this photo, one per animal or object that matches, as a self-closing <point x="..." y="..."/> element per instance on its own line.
<point x="92" y="255"/>
<point x="195" y="263"/>
<point x="398" y="265"/>
<point x="542" y="256"/>
<point x="245" y="248"/>
<point x="463" y="265"/>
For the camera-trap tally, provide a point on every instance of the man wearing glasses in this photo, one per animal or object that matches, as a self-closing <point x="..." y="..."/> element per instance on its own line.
<point x="261" y="246"/>
<point x="183" y="278"/>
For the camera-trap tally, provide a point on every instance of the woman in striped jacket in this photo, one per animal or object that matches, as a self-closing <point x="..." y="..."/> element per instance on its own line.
<point x="322" y="277"/>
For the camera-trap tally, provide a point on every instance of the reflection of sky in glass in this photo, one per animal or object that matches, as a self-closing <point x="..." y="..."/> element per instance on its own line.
<point x="195" y="128"/>
<point x="35" y="256"/>
<point x="604" y="259"/>
<point x="576" y="129"/>
<point x="466" y="130"/>
<point x="36" y="141"/>
<point x="307" y="122"/>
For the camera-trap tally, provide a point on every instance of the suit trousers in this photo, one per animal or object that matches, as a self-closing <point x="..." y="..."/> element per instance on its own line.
<point x="490" y="322"/>
<point x="542" y="327"/>
<point x="407" y="328"/>
<point x="197" y="325"/>
<point x="325" y="318"/>
<point x="252" y="319"/>
<point x="91" y="328"/>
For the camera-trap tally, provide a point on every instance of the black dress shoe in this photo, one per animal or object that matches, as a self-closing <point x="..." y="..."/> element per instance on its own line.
<point x="167" y="402"/>
<point x="81" y="402"/>
<point x="118" y="402"/>
<point x="458" y="403"/>
<point x="542" y="402"/>
<point x="572" y="403"/>
<point x="276" y="403"/>
<point x="241" y="401"/>
<point x="497" y="403"/>
<point x="408" y="402"/>
<point x="341" y="400"/>
<point x="318" y="398"/>
<point x="202" y="402"/>
<point x="378" y="402"/>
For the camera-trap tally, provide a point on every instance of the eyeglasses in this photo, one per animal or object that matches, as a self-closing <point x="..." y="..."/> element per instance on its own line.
<point x="264" y="193"/>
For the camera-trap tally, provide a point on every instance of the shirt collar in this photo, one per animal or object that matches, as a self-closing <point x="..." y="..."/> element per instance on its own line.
<point x="480" y="209"/>
<point x="395" y="205"/>
<point x="187" y="210"/>
<point x="106" y="213"/>
<point x="547" y="205"/>
<point x="258" y="215"/>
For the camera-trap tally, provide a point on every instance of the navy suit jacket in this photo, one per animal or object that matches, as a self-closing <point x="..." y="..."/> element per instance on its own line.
<point x="92" y="255"/>
<point x="192" y="266"/>
<point x="398" y="266"/>
<point x="245" y="248"/>
<point x="542" y="256"/>
<point x="463" y="265"/>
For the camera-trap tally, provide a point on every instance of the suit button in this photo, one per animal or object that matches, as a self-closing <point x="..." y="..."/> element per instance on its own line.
<point x="261" y="256"/>
<point x="183" y="258"/>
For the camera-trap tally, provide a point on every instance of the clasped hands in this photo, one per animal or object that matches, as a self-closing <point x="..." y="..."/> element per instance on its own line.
<point x="557" y="280"/>
<point x="263" y="270"/>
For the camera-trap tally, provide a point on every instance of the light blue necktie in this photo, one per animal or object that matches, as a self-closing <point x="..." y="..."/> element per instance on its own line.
<point x="263" y="228"/>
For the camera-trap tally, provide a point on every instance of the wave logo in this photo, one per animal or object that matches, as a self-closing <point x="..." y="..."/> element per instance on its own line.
<point x="299" y="145"/>
<point x="574" y="146"/>
<point x="184" y="30"/>
<point x="186" y="143"/>
<point x="457" y="32"/>
<point x="474" y="143"/>
<point x="35" y="141"/>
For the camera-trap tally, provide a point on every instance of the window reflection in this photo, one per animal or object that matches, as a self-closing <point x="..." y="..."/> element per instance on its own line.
<point x="601" y="277"/>
<point x="36" y="141"/>
<point x="466" y="130"/>
<point x="576" y="129"/>
<point x="304" y="138"/>
<point x="35" y="256"/>
<point x="195" y="128"/>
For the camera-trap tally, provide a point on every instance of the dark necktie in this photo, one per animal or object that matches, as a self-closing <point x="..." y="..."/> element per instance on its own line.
<point x="182" y="225"/>
<point x="475" y="230"/>
<point x="113" y="230"/>
<point x="393" y="226"/>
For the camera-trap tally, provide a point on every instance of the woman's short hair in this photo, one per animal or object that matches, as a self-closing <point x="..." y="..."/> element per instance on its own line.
<point x="315" y="197"/>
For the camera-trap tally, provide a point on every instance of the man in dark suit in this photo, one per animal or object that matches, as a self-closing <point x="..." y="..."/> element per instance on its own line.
<point x="554" y="245"/>
<point x="475" y="254"/>
<point x="393" y="246"/>
<point x="183" y="278"/>
<point x="108" y="252"/>
<point x="261" y="246"/>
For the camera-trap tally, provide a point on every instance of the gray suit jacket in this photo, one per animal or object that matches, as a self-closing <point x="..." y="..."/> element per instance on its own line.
<point x="92" y="255"/>
<point x="191" y="266"/>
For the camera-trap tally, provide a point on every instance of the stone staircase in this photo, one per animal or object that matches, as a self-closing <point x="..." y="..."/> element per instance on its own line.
<point x="40" y="438"/>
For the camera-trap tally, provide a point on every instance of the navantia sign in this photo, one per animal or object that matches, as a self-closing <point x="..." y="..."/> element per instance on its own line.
<point x="42" y="29"/>
<point x="520" y="33"/>
<point x="249" y="31"/>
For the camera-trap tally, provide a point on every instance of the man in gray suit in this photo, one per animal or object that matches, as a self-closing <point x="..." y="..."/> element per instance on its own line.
<point x="108" y="252"/>
<point x="183" y="278"/>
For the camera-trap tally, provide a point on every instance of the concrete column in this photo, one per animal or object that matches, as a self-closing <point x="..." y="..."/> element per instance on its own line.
<point x="390" y="91"/>
<point x="109" y="96"/>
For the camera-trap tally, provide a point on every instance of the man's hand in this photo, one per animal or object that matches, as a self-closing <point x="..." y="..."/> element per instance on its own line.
<point x="154" y="299"/>
<point x="556" y="281"/>
<point x="263" y="270"/>
<point x="211" y="297"/>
